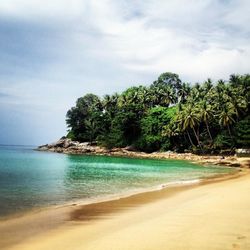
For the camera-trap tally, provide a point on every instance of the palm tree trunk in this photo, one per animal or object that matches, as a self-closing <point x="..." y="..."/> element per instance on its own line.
<point x="198" y="139"/>
<point x="185" y="137"/>
<point x="229" y="130"/>
<point x="196" y="136"/>
<point x="208" y="130"/>
<point x="190" y="138"/>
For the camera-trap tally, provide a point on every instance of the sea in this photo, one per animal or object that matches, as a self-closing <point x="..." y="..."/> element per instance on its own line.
<point x="31" y="179"/>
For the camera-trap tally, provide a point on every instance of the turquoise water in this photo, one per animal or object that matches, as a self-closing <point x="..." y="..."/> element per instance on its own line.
<point x="31" y="179"/>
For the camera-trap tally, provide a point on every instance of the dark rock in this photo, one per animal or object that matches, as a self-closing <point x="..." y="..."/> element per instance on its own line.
<point x="93" y="143"/>
<point x="235" y="165"/>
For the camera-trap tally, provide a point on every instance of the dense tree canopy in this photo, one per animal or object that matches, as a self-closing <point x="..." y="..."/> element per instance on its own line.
<point x="167" y="115"/>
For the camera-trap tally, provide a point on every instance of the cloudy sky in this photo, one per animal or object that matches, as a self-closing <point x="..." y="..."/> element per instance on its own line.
<point x="52" y="52"/>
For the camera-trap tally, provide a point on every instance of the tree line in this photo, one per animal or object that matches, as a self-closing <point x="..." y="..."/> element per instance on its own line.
<point x="167" y="115"/>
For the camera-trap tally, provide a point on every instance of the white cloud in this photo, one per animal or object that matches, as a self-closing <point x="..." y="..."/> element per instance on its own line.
<point x="194" y="38"/>
<point x="61" y="49"/>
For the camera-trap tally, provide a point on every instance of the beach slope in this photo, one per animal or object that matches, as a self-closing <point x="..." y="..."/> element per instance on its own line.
<point x="211" y="216"/>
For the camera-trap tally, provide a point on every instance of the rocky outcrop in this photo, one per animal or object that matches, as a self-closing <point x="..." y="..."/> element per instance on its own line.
<point x="67" y="146"/>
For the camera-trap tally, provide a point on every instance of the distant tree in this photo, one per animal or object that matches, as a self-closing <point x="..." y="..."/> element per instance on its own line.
<point x="168" y="79"/>
<point x="81" y="118"/>
<point x="168" y="114"/>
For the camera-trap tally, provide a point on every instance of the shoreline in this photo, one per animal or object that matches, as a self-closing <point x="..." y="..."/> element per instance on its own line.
<point x="17" y="229"/>
<point x="155" y="156"/>
<point x="67" y="146"/>
<point x="78" y="227"/>
<point x="109" y="198"/>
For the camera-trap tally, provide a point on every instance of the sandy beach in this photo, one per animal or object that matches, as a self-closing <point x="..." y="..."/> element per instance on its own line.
<point x="214" y="215"/>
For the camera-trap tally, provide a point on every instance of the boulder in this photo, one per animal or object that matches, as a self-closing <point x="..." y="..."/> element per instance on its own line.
<point x="67" y="143"/>
<point x="130" y="148"/>
<point x="59" y="143"/>
<point x="242" y="152"/>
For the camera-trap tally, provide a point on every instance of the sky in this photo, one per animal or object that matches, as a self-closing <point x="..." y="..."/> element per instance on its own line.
<point x="52" y="52"/>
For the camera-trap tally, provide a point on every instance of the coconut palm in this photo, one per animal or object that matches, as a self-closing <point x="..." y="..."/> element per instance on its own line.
<point x="206" y="113"/>
<point x="207" y="87"/>
<point x="196" y="92"/>
<point x="184" y="91"/>
<point x="245" y="84"/>
<point x="191" y="120"/>
<point x="226" y="116"/>
<point x="107" y="102"/>
<point x="239" y="103"/>
<point x="180" y="119"/>
<point x="163" y="95"/>
<point x="234" y="80"/>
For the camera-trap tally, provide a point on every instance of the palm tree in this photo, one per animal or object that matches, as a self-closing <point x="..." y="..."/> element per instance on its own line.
<point x="149" y="98"/>
<point x="196" y="92"/>
<point x="218" y="95"/>
<point x="206" y="113"/>
<point x="226" y="116"/>
<point x="191" y="120"/>
<point x="107" y="102"/>
<point x="207" y="86"/>
<point x="92" y="128"/>
<point x="183" y="92"/>
<point x="187" y="118"/>
<point x="163" y="95"/>
<point x="239" y="103"/>
<point x="245" y="83"/>
<point x="180" y="118"/>
<point x="234" y="80"/>
<point x="144" y="97"/>
<point x="123" y="100"/>
<point x="220" y="87"/>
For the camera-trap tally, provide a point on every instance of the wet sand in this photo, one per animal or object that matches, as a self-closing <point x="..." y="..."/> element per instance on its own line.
<point x="214" y="215"/>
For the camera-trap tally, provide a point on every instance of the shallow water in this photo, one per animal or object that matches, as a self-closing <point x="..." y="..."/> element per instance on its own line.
<point x="32" y="179"/>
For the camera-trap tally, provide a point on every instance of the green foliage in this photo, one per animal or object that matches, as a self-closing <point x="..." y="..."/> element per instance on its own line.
<point x="243" y="133"/>
<point x="167" y="115"/>
<point x="152" y="125"/>
<point x="84" y="120"/>
<point x="166" y="144"/>
<point x="148" y="143"/>
<point x="168" y="79"/>
<point x="155" y="119"/>
<point x="71" y="136"/>
<point x="223" y="141"/>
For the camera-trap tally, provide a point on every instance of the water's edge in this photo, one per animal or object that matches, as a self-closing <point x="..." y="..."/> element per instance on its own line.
<point x="33" y="181"/>
<point x="110" y="198"/>
<point x="19" y="228"/>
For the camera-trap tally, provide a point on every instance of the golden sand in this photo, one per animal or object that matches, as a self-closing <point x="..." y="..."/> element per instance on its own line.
<point x="210" y="216"/>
